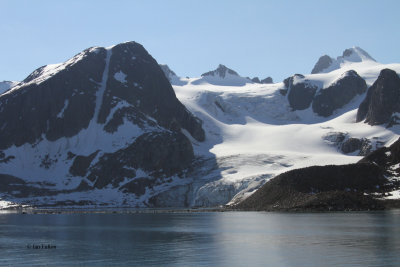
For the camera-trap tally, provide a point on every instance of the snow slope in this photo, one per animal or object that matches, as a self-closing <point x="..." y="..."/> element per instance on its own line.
<point x="254" y="135"/>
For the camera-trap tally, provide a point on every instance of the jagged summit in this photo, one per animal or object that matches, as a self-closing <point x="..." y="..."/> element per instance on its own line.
<point x="356" y="54"/>
<point x="351" y="55"/>
<point x="220" y="71"/>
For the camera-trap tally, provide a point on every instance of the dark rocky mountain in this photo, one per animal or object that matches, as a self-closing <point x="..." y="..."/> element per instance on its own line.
<point x="341" y="187"/>
<point x="302" y="93"/>
<point x="267" y="80"/>
<point x="382" y="100"/>
<point x="220" y="71"/>
<point x="323" y="63"/>
<point x="32" y="109"/>
<point x="107" y="116"/>
<point x="339" y="93"/>
<point x="263" y="81"/>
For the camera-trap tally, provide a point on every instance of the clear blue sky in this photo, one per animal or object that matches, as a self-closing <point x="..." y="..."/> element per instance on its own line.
<point x="255" y="38"/>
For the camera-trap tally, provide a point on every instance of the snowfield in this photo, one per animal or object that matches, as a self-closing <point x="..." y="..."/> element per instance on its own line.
<point x="254" y="135"/>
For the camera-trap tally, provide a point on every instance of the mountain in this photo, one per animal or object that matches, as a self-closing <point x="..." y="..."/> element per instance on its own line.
<point x="381" y="104"/>
<point x="223" y="76"/>
<point x="5" y="85"/>
<point x="303" y="93"/>
<point x="209" y="141"/>
<point x="350" y="55"/>
<point x="267" y="80"/>
<point x="107" y="119"/>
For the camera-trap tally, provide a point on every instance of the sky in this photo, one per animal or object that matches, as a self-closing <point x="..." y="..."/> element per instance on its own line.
<point x="255" y="38"/>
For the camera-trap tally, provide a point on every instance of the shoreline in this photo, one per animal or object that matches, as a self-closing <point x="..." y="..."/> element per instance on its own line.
<point x="388" y="205"/>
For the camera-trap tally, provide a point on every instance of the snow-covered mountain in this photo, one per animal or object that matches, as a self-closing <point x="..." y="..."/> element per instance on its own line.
<point x="104" y="128"/>
<point x="5" y="85"/>
<point x="349" y="56"/>
<point x="222" y="76"/>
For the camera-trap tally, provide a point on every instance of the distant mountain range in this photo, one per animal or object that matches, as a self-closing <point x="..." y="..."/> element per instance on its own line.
<point x="112" y="127"/>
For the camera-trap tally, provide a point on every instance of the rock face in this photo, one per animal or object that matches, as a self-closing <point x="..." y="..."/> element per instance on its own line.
<point x="339" y="93"/>
<point x="382" y="100"/>
<point x="160" y="154"/>
<point x="221" y="71"/>
<point x="346" y="144"/>
<point x="267" y="80"/>
<point x="323" y="63"/>
<point x="302" y="92"/>
<point x="64" y="102"/>
<point x="104" y="118"/>
<point x="256" y="80"/>
<point x="320" y="188"/>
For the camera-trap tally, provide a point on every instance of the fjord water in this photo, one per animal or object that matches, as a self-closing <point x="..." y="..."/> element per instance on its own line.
<point x="202" y="238"/>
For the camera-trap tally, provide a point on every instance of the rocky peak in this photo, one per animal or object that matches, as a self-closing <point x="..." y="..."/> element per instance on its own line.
<point x="350" y="55"/>
<point x="356" y="54"/>
<point x="103" y="86"/>
<point x="267" y="80"/>
<point x="323" y="62"/>
<point x="382" y="100"/>
<point x="221" y="71"/>
<point x="339" y="93"/>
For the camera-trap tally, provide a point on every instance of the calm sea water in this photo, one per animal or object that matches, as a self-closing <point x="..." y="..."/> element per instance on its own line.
<point x="197" y="239"/>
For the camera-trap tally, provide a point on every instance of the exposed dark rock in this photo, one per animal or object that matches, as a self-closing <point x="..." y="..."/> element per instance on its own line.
<point x="81" y="164"/>
<point x="338" y="94"/>
<point x="382" y="100"/>
<point x="384" y="156"/>
<point x="300" y="93"/>
<point x="63" y="103"/>
<point x="256" y="80"/>
<point x="323" y="63"/>
<point x="267" y="80"/>
<point x="347" y="144"/>
<point x="138" y="186"/>
<point x="159" y="153"/>
<point x="221" y="71"/>
<point x="351" y="145"/>
<point x="34" y="109"/>
<point x="4" y="159"/>
<point x="147" y="85"/>
<point x="320" y="188"/>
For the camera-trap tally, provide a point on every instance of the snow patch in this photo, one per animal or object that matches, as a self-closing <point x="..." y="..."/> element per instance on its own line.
<point x="120" y="76"/>
<point x="61" y="113"/>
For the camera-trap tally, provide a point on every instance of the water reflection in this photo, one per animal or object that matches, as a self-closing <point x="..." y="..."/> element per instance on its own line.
<point x="183" y="239"/>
